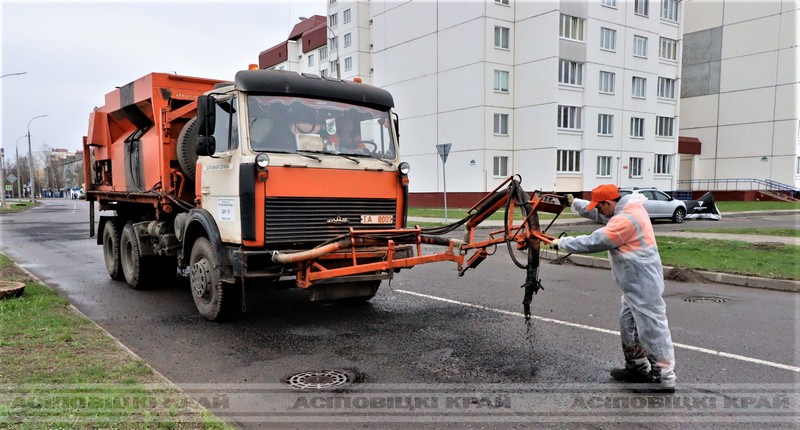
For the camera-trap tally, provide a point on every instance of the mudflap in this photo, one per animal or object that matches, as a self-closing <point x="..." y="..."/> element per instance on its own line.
<point x="344" y="290"/>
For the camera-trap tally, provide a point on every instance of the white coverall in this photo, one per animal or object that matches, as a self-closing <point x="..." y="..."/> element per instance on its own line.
<point x="636" y="266"/>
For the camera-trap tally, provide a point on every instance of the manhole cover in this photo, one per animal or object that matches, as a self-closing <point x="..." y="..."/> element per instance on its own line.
<point x="704" y="299"/>
<point x="318" y="380"/>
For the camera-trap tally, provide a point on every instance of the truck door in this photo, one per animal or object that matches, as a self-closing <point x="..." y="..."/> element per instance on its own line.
<point x="219" y="174"/>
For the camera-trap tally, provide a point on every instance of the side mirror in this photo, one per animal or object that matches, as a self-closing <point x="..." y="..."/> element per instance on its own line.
<point x="206" y="145"/>
<point x="206" y="115"/>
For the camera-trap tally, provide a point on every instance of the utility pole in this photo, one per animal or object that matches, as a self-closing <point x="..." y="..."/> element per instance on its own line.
<point x="30" y="160"/>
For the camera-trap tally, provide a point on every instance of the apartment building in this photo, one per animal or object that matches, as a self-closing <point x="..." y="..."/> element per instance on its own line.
<point x="567" y="94"/>
<point x="739" y="98"/>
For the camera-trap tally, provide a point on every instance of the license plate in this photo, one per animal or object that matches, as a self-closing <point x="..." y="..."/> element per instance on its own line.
<point x="377" y="219"/>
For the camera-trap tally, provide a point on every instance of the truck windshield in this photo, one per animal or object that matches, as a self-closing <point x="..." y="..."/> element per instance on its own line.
<point x="295" y="124"/>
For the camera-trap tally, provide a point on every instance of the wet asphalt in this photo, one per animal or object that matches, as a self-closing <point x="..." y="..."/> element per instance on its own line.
<point x="408" y="340"/>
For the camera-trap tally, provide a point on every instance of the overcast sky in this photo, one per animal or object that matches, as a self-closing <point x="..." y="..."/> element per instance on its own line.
<point x="75" y="53"/>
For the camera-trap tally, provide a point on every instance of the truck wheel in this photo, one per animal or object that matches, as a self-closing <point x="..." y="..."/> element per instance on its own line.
<point x="214" y="300"/>
<point x="185" y="149"/>
<point x="134" y="266"/>
<point x="111" y="251"/>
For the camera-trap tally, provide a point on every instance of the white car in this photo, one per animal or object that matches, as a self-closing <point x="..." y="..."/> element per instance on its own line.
<point x="659" y="204"/>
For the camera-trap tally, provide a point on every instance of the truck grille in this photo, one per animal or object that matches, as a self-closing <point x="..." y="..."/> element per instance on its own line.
<point x="300" y="222"/>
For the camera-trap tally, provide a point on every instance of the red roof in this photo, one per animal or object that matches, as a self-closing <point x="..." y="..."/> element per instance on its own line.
<point x="313" y="31"/>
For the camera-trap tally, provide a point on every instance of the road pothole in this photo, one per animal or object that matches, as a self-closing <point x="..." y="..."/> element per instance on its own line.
<point x="319" y="380"/>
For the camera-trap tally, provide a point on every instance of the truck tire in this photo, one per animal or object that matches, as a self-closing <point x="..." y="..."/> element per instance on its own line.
<point x="135" y="267"/>
<point x="185" y="149"/>
<point x="111" y="238"/>
<point x="214" y="299"/>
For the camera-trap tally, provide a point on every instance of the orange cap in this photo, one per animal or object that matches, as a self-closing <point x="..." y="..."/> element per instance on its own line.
<point x="602" y="193"/>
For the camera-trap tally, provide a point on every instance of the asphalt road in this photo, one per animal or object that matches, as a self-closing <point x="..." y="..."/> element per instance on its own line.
<point x="435" y="350"/>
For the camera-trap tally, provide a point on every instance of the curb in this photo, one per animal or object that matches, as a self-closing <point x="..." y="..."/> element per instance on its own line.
<point x="721" y="278"/>
<point x="124" y="348"/>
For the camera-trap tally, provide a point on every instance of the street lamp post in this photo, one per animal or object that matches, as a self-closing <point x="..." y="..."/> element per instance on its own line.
<point x="338" y="70"/>
<point x="19" y="177"/>
<point x="30" y="160"/>
<point x="12" y="74"/>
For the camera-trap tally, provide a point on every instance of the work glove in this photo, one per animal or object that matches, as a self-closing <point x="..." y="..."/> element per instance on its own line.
<point x="554" y="244"/>
<point x="570" y="199"/>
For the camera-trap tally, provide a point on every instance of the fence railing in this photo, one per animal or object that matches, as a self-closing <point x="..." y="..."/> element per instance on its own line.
<point x="734" y="184"/>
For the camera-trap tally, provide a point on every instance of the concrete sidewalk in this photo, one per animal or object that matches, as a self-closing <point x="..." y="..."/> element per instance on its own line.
<point x="725" y="278"/>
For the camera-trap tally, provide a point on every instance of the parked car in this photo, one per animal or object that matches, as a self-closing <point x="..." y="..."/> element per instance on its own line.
<point x="659" y="204"/>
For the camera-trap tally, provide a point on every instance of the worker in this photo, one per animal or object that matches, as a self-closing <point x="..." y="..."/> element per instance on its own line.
<point x="636" y="267"/>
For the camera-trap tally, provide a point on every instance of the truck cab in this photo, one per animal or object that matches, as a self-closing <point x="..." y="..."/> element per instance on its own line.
<point x="287" y="162"/>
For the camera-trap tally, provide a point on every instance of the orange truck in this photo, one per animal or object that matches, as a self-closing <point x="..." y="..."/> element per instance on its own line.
<point x="274" y="177"/>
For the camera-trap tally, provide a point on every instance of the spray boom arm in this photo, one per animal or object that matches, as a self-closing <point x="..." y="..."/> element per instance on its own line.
<point x="521" y="233"/>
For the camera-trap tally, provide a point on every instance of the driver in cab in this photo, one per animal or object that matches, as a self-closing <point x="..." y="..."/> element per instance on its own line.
<point x="346" y="138"/>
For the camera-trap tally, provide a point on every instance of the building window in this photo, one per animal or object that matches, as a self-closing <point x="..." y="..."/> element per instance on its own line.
<point x="570" y="72"/>
<point x="640" y="7"/>
<point x="334" y="66"/>
<point x="608" y="39"/>
<point x="323" y="53"/>
<point x="346" y="16"/>
<point x="501" y="37"/>
<point x="569" y="117"/>
<point x="798" y="165"/>
<point x="668" y="49"/>
<point x="500" y="166"/>
<point x="501" y="124"/>
<point x="605" y="124"/>
<point x="571" y="28"/>
<point x="333" y="43"/>
<point x="348" y="40"/>
<point x="331" y="1"/>
<point x="666" y="88"/>
<point x="635" y="168"/>
<point x="323" y="72"/>
<point x="310" y="59"/>
<point x="639" y="87"/>
<point x="607" y="82"/>
<point x="333" y="19"/>
<point x="664" y="126"/>
<point x="663" y="164"/>
<point x="348" y="63"/>
<point x="502" y="2"/>
<point x="637" y="127"/>
<point x="640" y="46"/>
<point x="568" y="161"/>
<point x="501" y="81"/>
<point x="669" y="10"/>
<point x="609" y="3"/>
<point x="603" y="167"/>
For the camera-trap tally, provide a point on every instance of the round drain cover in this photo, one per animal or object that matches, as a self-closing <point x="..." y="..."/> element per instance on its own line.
<point x="318" y="380"/>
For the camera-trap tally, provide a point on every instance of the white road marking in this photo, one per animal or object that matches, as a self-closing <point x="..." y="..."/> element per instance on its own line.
<point x="602" y="330"/>
<point x="75" y="208"/>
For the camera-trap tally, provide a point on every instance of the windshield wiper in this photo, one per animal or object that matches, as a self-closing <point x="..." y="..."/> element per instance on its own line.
<point x="313" y="157"/>
<point x="344" y="156"/>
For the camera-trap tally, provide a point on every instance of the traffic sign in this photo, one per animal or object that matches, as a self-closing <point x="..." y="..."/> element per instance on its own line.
<point x="8" y="188"/>
<point x="443" y="149"/>
<point x="11" y="178"/>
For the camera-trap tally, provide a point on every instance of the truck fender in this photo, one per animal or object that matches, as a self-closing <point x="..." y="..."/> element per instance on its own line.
<point x="200" y="223"/>
<point x="101" y="225"/>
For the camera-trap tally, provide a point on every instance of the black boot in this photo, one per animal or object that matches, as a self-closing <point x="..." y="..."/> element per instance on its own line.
<point x="631" y="376"/>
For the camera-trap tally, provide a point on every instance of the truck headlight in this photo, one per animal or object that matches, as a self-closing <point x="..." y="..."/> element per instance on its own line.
<point x="262" y="161"/>
<point x="404" y="168"/>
